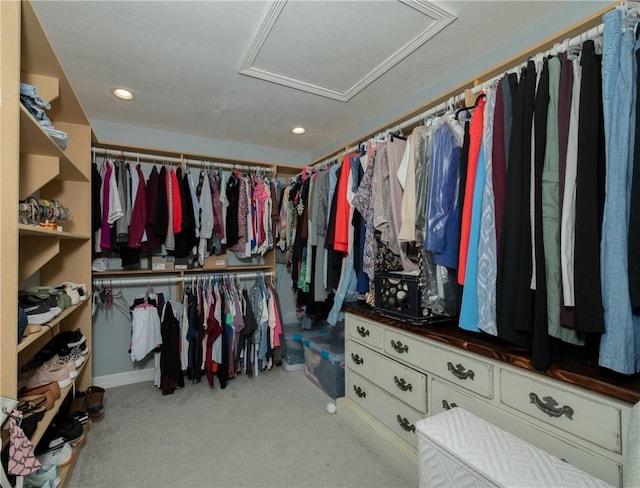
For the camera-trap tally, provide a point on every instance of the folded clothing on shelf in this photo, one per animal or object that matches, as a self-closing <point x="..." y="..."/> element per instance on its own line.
<point x="36" y="106"/>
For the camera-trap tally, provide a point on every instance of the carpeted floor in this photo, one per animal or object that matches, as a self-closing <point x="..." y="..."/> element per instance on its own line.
<point x="269" y="431"/>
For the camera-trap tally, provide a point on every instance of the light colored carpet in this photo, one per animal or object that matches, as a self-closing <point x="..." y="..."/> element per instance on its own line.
<point x="269" y="431"/>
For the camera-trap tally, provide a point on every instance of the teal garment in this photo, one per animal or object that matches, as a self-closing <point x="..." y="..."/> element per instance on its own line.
<point x="469" y="314"/>
<point x="551" y="213"/>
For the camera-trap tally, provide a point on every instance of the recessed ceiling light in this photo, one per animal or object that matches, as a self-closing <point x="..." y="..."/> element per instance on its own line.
<point x="122" y="93"/>
<point x="298" y="130"/>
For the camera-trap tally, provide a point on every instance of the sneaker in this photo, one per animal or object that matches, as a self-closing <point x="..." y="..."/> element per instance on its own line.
<point x="39" y="314"/>
<point x="45" y="476"/>
<point x="81" y="288"/>
<point x="71" y="339"/>
<point x="48" y="373"/>
<point x="72" y="354"/>
<point x="59" y="432"/>
<point x="64" y="362"/>
<point x="57" y="457"/>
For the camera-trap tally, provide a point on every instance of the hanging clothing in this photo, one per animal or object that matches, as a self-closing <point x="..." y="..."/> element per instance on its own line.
<point x="145" y="327"/>
<point x="620" y="343"/>
<point x="487" y="248"/>
<point x="170" y="363"/>
<point x="475" y="134"/>
<point x="513" y="297"/>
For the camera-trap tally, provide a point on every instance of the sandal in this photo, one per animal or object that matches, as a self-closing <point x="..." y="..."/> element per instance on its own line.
<point x="43" y="399"/>
<point x="94" y="403"/>
<point x="34" y="405"/>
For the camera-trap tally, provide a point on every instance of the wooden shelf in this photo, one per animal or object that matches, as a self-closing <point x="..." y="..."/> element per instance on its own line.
<point x="125" y="272"/>
<point x="34" y="230"/>
<point x="35" y="140"/>
<point x="134" y="272"/>
<point x="31" y="338"/>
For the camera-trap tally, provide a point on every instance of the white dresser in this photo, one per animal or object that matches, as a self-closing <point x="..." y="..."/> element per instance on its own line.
<point x="394" y="377"/>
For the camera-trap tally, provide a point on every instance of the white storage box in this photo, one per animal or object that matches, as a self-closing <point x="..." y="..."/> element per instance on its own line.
<point x="457" y="449"/>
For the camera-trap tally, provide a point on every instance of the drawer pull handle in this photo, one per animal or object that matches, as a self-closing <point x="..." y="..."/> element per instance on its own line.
<point x="459" y="371"/>
<point x="359" y="391"/>
<point x="549" y="406"/>
<point x="402" y="384"/>
<point x="405" y="424"/>
<point x="362" y="331"/>
<point x="448" y="406"/>
<point x="357" y="359"/>
<point x="399" y="346"/>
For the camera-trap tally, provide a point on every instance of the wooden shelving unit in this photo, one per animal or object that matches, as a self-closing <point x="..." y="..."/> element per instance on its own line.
<point x="32" y="164"/>
<point x="150" y="155"/>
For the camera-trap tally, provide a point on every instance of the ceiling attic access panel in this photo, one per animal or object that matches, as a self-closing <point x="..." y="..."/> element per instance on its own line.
<point x="343" y="48"/>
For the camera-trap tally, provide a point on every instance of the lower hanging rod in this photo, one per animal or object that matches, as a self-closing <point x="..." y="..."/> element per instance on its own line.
<point x="168" y="280"/>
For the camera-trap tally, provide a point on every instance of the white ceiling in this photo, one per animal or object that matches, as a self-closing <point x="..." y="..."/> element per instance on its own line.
<point x="246" y="72"/>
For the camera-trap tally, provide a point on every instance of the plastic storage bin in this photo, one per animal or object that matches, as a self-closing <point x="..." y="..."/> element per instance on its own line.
<point x="324" y="363"/>
<point x="293" y="350"/>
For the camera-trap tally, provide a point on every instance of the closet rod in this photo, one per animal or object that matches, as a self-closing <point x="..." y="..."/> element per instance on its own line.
<point x="559" y="47"/>
<point x="434" y="109"/>
<point x="476" y="87"/>
<point x="168" y="280"/>
<point x="99" y="151"/>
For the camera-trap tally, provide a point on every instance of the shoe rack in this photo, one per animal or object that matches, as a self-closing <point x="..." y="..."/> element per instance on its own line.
<point x="32" y="164"/>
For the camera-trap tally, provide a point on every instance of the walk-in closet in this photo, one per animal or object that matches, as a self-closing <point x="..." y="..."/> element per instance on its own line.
<point x="390" y="243"/>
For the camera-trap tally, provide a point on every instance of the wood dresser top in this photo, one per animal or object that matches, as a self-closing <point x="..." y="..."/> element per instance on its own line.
<point x="586" y="375"/>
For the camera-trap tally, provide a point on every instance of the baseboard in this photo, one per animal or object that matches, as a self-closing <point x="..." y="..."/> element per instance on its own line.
<point x="128" y="378"/>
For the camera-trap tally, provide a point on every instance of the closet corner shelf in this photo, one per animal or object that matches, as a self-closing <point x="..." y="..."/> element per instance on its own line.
<point x="34" y="230"/>
<point x="34" y="140"/>
<point x="127" y="272"/>
<point x="31" y="338"/>
<point x="49" y="414"/>
<point x="232" y="269"/>
<point x="229" y="270"/>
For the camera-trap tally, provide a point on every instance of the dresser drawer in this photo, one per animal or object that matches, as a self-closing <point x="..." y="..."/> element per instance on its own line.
<point x="405" y="383"/>
<point x="394" y="414"/>
<point x="444" y="397"/>
<point x="474" y="375"/>
<point x="563" y="408"/>
<point x="364" y="331"/>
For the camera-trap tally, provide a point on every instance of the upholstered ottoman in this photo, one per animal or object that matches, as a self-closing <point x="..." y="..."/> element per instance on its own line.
<point x="457" y="449"/>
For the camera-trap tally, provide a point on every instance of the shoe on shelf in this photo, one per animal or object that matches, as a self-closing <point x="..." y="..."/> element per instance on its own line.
<point x="39" y="314"/>
<point x="30" y="422"/>
<point x="71" y="339"/>
<point x="73" y="354"/>
<point x="95" y="402"/>
<point x="81" y="288"/>
<point x="64" y="362"/>
<point x="47" y="396"/>
<point x="48" y="373"/>
<point x="52" y="387"/>
<point x="44" y="477"/>
<point x="32" y="329"/>
<point x="61" y="430"/>
<point x="57" y="457"/>
<point x="23" y="323"/>
<point x="77" y="293"/>
<point x="35" y="403"/>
